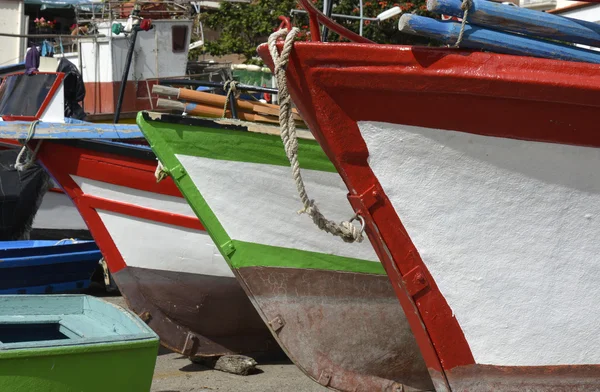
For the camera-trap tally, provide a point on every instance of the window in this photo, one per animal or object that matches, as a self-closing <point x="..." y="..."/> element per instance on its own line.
<point x="179" y="34"/>
<point x="24" y="95"/>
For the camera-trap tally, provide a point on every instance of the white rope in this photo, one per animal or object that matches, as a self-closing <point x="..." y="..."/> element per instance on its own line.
<point x="73" y="241"/>
<point x="465" y="6"/>
<point x="231" y="87"/>
<point x="160" y="173"/>
<point x="31" y="154"/>
<point x="346" y="230"/>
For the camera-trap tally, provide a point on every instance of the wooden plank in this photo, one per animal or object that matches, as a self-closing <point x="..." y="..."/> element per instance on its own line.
<point x="264" y="128"/>
<point x="200" y="110"/>
<point x="217" y="100"/>
<point x="47" y="130"/>
<point x="165" y="91"/>
<point x="495" y="41"/>
<point x="503" y="17"/>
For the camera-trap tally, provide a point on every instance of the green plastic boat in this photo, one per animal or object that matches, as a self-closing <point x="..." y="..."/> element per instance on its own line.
<point x="73" y="343"/>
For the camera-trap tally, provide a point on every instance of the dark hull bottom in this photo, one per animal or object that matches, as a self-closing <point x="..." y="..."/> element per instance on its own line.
<point x="345" y="330"/>
<point x="197" y="315"/>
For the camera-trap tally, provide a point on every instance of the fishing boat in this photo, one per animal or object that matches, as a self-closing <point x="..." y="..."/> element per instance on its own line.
<point x="476" y="176"/>
<point x="105" y="37"/>
<point x="37" y="267"/>
<point x="33" y="206"/>
<point x="63" y="342"/>
<point x="114" y="188"/>
<point x="329" y="305"/>
<point x="159" y="254"/>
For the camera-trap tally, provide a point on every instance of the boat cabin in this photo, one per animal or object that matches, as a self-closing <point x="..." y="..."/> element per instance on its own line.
<point x="99" y="44"/>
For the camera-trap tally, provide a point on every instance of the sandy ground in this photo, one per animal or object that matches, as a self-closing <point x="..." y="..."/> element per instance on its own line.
<point x="175" y="373"/>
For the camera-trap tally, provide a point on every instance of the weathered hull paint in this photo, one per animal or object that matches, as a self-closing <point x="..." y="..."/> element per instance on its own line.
<point x="330" y="312"/>
<point x="352" y="313"/>
<point x="336" y="86"/>
<point x="563" y="378"/>
<point x="174" y="296"/>
<point x="101" y="98"/>
<point x="196" y="311"/>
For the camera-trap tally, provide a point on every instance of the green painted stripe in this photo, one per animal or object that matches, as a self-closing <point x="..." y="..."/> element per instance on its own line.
<point x="236" y="145"/>
<point x="248" y="254"/>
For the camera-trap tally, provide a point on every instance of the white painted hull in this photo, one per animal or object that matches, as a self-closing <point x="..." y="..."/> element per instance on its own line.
<point x="154" y="245"/>
<point x="509" y="231"/>
<point x="57" y="212"/>
<point x="258" y="203"/>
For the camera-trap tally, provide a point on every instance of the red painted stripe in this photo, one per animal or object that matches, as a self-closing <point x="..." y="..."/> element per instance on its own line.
<point x="143" y="212"/>
<point x="62" y="161"/>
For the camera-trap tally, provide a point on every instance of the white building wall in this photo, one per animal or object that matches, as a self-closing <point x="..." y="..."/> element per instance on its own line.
<point x="12" y="21"/>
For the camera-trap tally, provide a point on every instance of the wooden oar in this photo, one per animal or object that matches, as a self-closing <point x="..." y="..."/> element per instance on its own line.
<point x="521" y="20"/>
<point x="476" y="37"/>
<point x="197" y="109"/>
<point x="217" y="100"/>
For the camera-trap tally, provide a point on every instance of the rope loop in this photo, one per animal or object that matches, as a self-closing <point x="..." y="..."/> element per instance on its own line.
<point x="465" y="6"/>
<point x="160" y="173"/>
<point x="26" y="150"/>
<point x="231" y="87"/>
<point x="345" y="230"/>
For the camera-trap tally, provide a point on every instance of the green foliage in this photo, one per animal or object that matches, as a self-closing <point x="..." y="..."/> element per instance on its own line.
<point x="244" y="26"/>
<point x="385" y="32"/>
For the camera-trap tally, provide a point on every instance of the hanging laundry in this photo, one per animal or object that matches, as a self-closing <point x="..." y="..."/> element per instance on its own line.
<point x="32" y="60"/>
<point x="47" y="49"/>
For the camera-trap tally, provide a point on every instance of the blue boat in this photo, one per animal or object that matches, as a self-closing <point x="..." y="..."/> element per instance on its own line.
<point x="38" y="267"/>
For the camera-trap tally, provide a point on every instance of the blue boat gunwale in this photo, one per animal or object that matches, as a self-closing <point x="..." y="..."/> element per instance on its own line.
<point x="23" y="254"/>
<point x="114" y="323"/>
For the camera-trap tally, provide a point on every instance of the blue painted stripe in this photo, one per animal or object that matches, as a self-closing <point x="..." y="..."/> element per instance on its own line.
<point x="494" y="41"/>
<point x="499" y="16"/>
<point x="49" y="288"/>
<point x="47" y="130"/>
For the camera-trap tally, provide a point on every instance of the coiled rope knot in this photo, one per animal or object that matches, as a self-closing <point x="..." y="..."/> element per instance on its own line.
<point x="465" y="6"/>
<point x="345" y="230"/>
<point x="25" y="150"/>
<point x="231" y="87"/>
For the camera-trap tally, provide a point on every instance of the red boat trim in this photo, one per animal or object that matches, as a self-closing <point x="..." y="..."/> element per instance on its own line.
<point x="62" y="161"/>
<point x="100" y="203"/>
<point x="316" y="17"/>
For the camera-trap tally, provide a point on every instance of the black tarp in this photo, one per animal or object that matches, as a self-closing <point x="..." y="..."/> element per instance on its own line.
<point x="21" y="195"/>
<point x="74" y="89"/>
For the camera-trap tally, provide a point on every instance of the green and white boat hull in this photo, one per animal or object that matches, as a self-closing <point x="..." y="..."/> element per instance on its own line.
<point x="328" y="303"/>
<point x="73" y="343"/>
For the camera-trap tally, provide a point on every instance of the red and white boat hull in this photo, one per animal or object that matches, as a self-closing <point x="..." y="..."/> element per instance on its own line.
<point x="163" y="261"/>
<point x="477" y="176"/>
